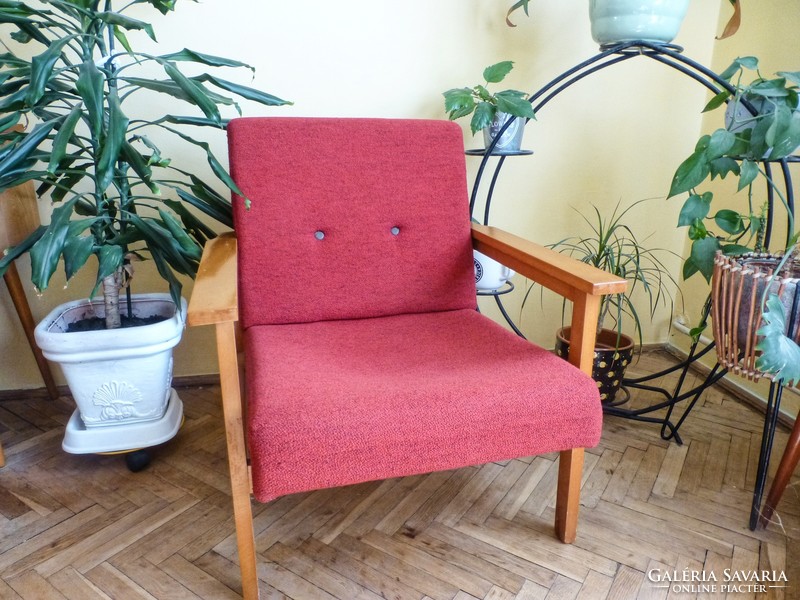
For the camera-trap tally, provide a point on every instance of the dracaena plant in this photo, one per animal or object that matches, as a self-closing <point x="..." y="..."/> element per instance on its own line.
<point x="67" y="89"/>
<point x="482" y="104"/>
<point x="762" y="124"/>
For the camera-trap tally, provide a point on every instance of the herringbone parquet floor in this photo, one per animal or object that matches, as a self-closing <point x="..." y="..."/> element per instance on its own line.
<point x="84" y="527"/>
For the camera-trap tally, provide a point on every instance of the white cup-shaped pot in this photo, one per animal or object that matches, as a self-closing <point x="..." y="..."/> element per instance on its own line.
<point x="489" y="274"/>
<point x="616" y="21"/>
<point x="116" y="376"/>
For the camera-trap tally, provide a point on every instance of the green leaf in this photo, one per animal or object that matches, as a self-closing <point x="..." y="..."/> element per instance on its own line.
<point x="47" y="250"/>
<point x="695" y="208"/>
<point x="484" y="113"/>
<point x="748" y="171"/>
<point x="42" y="69"/>
<point x="109" y="258"/>
<point x="497" y="72"/>
<point x="720" y="167"/>
<point x="112" y="18"/>
<point x="90" y="87"/>
<point x="122" y="39"/>
<point x="720" y="143"/>
<point x="793" y="76"/>
<point x="205" y="59"/>
<point x="779" y="354"/>
<point x="735" y="250"/>
<point x="64" y="135"/>
<point x="513" y="105"/>
<point x="112" y="145"/>
<point x="458" y="102"/>
<point x="77" y="250"/>
<point x="691" y="173"/>
<point x="703" y="253"/>
<point x="199" y="230"/>
<point x="729" y="221"/>
<point x="243" y="91"/>
<point x="195" y="92"/>
<point x="717" y="100"/>
<point x="187" y="244"/>
<point x="215" y="165"/>
<point x="689" y="268"/>
<point x="23" y="150"/>
<point x="14" y="253"/>
<point x="697" y="230"/>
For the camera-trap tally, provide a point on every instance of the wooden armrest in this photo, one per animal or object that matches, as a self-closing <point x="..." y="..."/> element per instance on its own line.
<point x="215" y="296"/>
<point x="558" y="272"/>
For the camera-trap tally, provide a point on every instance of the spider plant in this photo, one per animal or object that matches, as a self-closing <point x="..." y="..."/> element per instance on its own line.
<point x="610" y="244"/>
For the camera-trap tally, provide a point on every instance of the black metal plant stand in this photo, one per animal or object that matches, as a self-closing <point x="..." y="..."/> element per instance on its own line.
<point x="678" y="402"/>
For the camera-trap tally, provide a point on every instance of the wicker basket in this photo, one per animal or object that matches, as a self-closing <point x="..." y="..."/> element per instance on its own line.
<point x="737" y="288"/>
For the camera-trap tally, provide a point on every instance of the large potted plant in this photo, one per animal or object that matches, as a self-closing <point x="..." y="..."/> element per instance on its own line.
<point x="491" y="111"/>
<point x="616" y="21"/>
<point x="117" y="197"/>
<point x="610" y="244"/>
<point x="762" y="125"/>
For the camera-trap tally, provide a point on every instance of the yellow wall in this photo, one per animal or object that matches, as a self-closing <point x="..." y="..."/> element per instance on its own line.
<point x="769" y="33"/>
<point x="615" y="137"/>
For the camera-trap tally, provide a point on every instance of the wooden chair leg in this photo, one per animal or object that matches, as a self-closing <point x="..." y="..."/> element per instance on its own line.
<point x="570" y="471"/>
<point x="237" y="456"/>
<point x="2" y="457"/>
<point x="20" y="301"/>
<point x="791" y="456"/>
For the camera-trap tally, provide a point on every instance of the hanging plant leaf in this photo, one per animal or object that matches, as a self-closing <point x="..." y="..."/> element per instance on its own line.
<point x="779" y="354"/>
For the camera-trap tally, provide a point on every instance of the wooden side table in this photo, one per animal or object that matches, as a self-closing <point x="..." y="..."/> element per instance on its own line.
<point x="19" y="217"/>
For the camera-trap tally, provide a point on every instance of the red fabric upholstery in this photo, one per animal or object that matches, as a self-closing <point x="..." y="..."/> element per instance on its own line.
<point x="366" y="358"/>
<point x="340" y="402"/>
<point x="351" y="181"/>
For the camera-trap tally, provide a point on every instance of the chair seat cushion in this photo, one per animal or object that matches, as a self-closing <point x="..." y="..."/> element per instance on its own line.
<point x="330" y="403"/>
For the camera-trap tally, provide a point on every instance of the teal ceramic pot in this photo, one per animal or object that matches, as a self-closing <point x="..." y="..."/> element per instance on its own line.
<point x="616" y="21"/>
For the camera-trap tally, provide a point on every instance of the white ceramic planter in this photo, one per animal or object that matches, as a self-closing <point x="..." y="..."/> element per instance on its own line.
<point x="116" y="376"/>
<point x="616" y="21"/>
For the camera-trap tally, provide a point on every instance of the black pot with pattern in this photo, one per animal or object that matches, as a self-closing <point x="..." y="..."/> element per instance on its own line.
<point x="612" y="355"/>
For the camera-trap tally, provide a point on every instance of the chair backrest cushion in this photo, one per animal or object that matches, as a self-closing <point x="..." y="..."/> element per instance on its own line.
<point x="350" y="218"/>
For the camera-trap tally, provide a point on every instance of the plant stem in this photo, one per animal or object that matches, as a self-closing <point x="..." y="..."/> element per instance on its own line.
<point x="111" y="286"/>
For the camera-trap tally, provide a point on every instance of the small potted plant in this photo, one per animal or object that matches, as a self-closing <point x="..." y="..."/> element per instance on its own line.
<point x="117" y="197"/>
<point x="617" y="21"/>
<point x="491" y="111"/>
<point x="611" y="245"/>
<point x="762" y="125"/>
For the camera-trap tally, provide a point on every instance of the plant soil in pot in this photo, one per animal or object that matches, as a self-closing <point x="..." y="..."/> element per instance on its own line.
<point x="116" y="376"/>
<point x="612" y="355"/>
<point x="617" y="21"/>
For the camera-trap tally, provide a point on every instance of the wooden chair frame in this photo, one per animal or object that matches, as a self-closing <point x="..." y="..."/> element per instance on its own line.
<point x="214" y="302"/>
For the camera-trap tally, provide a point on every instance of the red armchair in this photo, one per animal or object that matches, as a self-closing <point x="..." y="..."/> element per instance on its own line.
<point x="351" y="282"/>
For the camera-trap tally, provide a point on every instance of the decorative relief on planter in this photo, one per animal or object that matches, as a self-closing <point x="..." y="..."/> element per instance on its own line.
<point x="118" y="400"/>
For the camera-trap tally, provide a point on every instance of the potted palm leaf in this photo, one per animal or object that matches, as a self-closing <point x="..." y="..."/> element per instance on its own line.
<point x="117" y="198"/>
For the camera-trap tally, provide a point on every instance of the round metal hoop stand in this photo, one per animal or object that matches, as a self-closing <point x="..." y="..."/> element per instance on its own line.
<point x="671" y="56"/>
